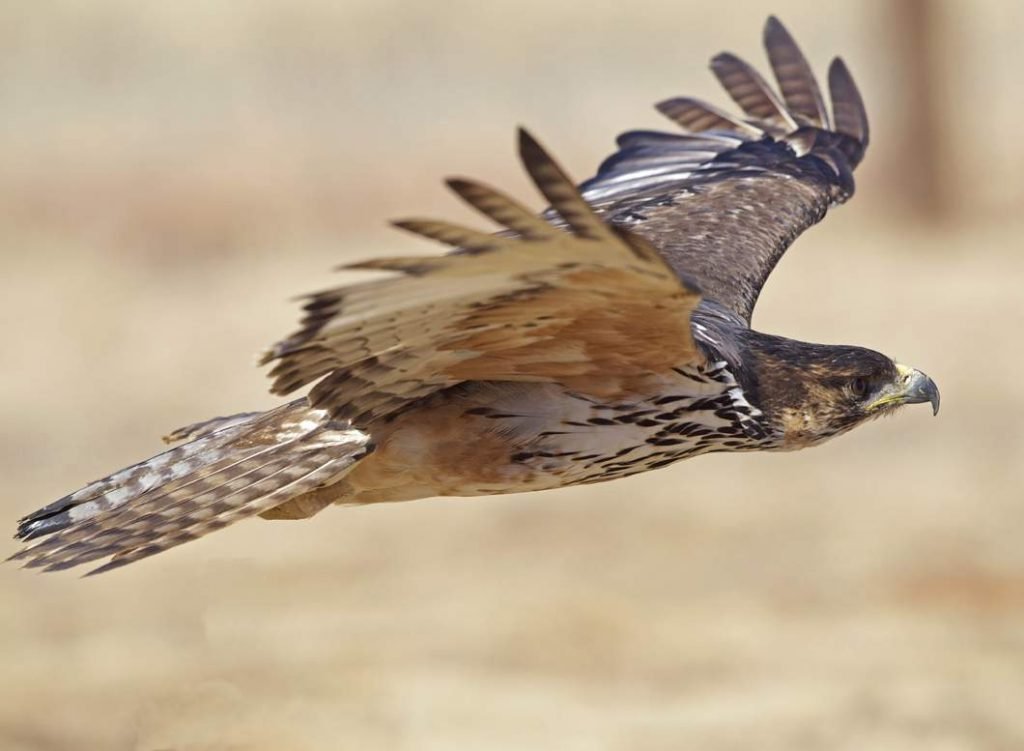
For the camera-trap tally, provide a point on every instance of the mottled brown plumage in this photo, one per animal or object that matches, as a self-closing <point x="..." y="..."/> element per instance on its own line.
<point x="543" y="306"/>
<point x="608" y="336"/>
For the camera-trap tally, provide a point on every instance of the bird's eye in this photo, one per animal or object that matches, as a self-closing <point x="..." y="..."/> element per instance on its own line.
<point x="859" y="386"/>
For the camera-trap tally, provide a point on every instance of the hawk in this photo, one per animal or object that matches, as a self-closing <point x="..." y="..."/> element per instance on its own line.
<point x="606" y="336"/>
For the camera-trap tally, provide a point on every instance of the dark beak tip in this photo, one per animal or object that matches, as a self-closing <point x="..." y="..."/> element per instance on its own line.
<point x="931" y="391"/>
<point x="922" y="389"/>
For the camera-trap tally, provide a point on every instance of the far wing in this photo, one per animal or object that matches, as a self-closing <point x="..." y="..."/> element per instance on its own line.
<point x="582" y="303"/>
<point x="722" y="202"/>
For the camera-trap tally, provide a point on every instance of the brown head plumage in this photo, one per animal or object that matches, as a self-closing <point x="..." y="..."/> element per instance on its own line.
<point x="809" y="393"/>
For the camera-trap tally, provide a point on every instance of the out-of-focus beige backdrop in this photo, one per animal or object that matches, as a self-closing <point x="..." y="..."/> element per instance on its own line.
<point x="171" y="173"/>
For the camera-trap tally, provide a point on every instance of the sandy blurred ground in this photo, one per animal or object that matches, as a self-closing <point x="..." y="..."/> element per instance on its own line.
<point x="169" y="176"/>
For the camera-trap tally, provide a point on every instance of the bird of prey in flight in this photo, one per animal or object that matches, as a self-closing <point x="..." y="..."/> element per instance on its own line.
<point x="606" y="336"/>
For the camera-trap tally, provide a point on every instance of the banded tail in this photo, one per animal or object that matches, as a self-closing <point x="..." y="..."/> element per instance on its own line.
<point x="232" y="468"/>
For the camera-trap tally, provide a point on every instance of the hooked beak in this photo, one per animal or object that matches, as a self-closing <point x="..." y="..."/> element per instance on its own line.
<point x="912" y="387"/>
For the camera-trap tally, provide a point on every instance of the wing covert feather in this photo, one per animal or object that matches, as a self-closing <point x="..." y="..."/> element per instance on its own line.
<point x="590" y="306"/>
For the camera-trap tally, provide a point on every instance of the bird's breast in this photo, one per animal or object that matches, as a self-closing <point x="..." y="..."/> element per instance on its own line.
<point x="490" y="437"/>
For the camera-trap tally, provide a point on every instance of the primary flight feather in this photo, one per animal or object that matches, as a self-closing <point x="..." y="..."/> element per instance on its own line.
<point x="607" y="336"/>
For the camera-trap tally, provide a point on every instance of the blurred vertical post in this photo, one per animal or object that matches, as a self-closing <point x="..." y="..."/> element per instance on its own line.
<point x="915" y="35"/>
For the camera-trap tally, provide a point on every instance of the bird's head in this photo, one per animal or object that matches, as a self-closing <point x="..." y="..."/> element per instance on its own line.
<point x="812" y="392"/>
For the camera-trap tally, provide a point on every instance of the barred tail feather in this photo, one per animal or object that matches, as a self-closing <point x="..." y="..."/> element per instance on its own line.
<point x="200" y="429"/>
<point x="230" y="473"/>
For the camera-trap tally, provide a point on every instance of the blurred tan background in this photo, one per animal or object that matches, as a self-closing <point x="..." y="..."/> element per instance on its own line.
<point x="171" y="173"/>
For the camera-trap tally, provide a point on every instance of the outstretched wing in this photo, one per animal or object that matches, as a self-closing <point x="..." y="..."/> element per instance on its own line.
<point x="722" y="202"/>
<point x="577" y="302"/>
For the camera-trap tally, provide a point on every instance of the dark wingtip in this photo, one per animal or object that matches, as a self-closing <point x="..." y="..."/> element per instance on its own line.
<point x="530" y="150"/>
<point x="459" y="184"/>
<point x="773" y="27"/>
<point x="794" y="75"/>
<point x="534" y="156"/>
<point x="406" y="225"/>
<point x="848" y="110"/>
<point x="838" y="68"/>
<point x="465" y="188"/>
<point x="722" y="59"/>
